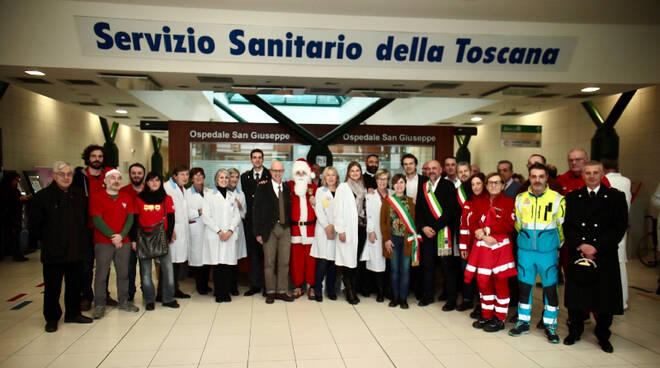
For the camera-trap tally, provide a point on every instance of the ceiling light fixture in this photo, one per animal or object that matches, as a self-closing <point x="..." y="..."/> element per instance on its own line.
<point x="121" y="111"/>
<point x="590" y="89"/>
<point x="35" y="72"/>
<point x="476" y="118"/>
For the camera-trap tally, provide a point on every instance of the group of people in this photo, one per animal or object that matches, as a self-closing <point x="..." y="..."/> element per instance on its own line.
<point x="374" y="231"/>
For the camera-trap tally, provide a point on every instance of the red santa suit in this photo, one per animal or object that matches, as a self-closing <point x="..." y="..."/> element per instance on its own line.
<point x="303" y="222"/>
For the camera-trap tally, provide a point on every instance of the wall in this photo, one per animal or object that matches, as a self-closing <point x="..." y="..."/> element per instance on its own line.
<point x="37" y="130"/>
<point x="571" y="127"/>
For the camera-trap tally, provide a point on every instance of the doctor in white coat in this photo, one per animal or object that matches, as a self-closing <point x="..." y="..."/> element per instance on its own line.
<point x="221" y="216"/>
<point x="623" y="184"/>
<point x="373" y="248"/>
<point x="195" y="199"/>
<point x="323" y="247"/>
<point x="180" y="246"/>
<point x="234" y="178"/>
<point x="350" y="224"/>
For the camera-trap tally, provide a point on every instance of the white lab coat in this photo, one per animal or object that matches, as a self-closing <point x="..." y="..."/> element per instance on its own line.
<point x="322" y="247"/>
<point x="240" y="234"/>
<point x="195" y="203"/>
<point x="623" y="184"/>
<point x="373" y="252"/>
<point x="179" y="248"/>
<point x="220" y="213"/>
<point x="346" y="221"/>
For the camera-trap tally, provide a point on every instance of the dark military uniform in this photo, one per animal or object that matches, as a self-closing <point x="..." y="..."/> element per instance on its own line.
<point x="599" y="220"/>
<point x="255" y="251"/>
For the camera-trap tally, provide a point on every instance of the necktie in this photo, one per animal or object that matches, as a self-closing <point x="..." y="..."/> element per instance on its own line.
<point x="282" y="217"/>
<point x="592" y="194"/>
<point x="256" y="177"/>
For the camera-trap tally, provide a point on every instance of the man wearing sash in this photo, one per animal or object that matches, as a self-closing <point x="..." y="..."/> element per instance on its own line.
<point x="437" y="212"/>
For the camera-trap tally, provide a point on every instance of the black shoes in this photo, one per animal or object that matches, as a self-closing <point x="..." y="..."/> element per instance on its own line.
<point x="606" y="346"/>
<point x="285" y="297"/>
<point x="319" y="297"/>
<point x="380" y="298"/>
<point x="151" y="306"/>
<point x="424" y="302"/>
<point x="476" y="313"/>
<point x="234" y="292"/>
<point x="111" y="302"/>
<point x="404" y="304"/>
<point x="252" y="291"/>
<point x="449" y="306"/>
<point x="181" y="295"/>
<point x="223" y="298"/>
<point x="394" y="302"/>
<point x="480" y="323"/>
<point x="172" y="304"/>
<point x="51" y="326"/>
<point x="78" y="319"/>
<point x="571" y="339"/>
<point x="332" y="296"/>
<point x="467" y="304"/>
<point x="494" y="325"/>
<point x="270" y="298"/>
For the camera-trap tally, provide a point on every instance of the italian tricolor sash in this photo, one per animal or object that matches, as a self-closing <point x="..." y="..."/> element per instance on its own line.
<point x="413" y="239"/>
<point x="444" y="235"/>
<point x="462" y="197"/>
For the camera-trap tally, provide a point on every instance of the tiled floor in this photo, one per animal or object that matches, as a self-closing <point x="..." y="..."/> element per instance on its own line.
<point x="249" y="333"/>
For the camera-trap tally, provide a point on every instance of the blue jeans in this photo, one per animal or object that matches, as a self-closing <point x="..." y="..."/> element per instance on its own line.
<point x="167" y="275"/>
<point x="400" y="265"/>
<point x="330" y="279"/>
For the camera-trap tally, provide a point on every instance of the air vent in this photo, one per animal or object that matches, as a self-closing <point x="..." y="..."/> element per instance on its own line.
<point x="514" y="92"/>
<point x="512" y="113"/>
<point x="211" y="79"/>
<point x="79" y="82"/>
<point x="383" y="93"/>
<point x="32" y="80"/>
<point x="138" y="82"/>
<point x="471" y="124"/>
<point x="546" y="95"/>
<point x="119" y="116"/>
<point x="442" y="85"/>
<point x="149" y="117"/>
<point x="327" y="91"/>
<point x="123" y="104"/>
<point x="87" y="103"/>
<point x="481" y="112"/>
<point x="583" y="95"/>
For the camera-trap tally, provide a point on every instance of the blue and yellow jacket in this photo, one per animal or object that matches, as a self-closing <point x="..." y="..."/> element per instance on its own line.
<point x="539" y="220"/>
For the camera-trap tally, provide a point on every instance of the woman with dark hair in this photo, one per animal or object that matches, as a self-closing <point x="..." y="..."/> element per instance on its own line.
<point x="491" y="258"/>
<point x="11" y="205"/>
<point x="474" y="207"/>
<point x="195" y="198"/>
<point x="154" y="207"/>
<point x="350" y="221"/>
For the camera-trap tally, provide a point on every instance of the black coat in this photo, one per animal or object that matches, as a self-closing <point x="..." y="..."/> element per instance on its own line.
<point x="445" y="192"/>
<point x="369" y="181"/>
<point x="266" y="209"/>
<point x="600" y="222"/>
<point x="249" y="186"/>
<point x="59" y="220"/>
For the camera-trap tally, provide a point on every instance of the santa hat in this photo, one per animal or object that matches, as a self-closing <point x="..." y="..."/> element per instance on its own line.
<point x="302" y="165"/>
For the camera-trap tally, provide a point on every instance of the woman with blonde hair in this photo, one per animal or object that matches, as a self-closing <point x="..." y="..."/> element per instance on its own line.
<point x="323" y="248"/>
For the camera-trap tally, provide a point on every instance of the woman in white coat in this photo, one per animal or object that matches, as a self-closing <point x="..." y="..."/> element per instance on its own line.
<point x="180" y="246"/>
<point x="221" y="217"/>
<point x="373" y="249"/>
<point x="195" y="199"/>
<point x="323" y="247"/>
<point x="234" y="177"/>
<point x="350" y="224"/>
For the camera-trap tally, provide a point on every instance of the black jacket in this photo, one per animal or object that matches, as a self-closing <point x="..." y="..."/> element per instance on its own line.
<point x="266" y="209"/>
<point x="600" y="222"/>
<point x="59" y="220"/>
<point x="445" y="192"/>
<point x="249" y="186"/>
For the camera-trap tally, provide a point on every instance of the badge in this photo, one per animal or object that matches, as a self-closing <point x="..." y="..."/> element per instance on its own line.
<point x="310" y="191"/>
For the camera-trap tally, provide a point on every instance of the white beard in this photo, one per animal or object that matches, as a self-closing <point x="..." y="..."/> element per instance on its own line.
<point x="301" y="185"/>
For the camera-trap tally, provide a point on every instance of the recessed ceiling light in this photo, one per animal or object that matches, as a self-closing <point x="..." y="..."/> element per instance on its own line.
<point x="590" y="89"/>
<point x="121" y="111"/>
<point x="476" y="118"/>
<point x="35" y="72"/>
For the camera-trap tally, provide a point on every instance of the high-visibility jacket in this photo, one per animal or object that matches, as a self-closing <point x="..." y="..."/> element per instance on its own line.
<point x="539" y="220"/>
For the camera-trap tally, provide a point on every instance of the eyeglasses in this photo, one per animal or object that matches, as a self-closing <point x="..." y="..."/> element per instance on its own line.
<point x="494" y="182"/>
<point x="64" y="175"/>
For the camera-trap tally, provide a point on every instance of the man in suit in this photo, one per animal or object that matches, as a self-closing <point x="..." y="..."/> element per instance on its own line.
<point x="414" y="181"/>
<point x="437" y="214"/>
<point x="505" y="168"/>
<point x="596" y="220"/>
<point x="272" y="229"/>
<point x="249" y="181"/>
<point x="370" y="172"/>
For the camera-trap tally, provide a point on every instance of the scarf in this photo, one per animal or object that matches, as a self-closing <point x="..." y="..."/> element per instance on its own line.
<point x="360" y="192"/>
<point x="152" y="197"/>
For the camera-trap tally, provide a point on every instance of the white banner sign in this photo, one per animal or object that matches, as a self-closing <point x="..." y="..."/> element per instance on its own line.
<point x="244" y="43"/>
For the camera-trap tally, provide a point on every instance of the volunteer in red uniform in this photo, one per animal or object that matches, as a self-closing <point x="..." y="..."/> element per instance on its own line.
<point x="90" y="181"/>
<point x="136" y="173"/>
<point x="491" y="259"/>
<point x="112" y="215"/>
<point x="303" y="223"/>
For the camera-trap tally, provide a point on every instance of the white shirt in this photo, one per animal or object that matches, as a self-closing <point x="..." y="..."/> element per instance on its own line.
<point x="456" y="181"/>
<point x="260" y="173"/>
<point x="276" y="188"/>
<point x="508" y="183"/>
<point x="595" y="190"/>
<point x="435" y="185"/>
<point x="411" y="186"/>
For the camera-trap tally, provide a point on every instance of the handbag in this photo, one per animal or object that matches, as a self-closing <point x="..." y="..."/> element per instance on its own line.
<point x="152" y="243"/>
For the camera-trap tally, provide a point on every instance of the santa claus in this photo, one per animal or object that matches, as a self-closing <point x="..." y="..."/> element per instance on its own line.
<point x="303" y="222"/>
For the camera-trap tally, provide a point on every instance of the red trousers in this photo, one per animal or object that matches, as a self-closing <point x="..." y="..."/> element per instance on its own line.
<point x="302" y="265"/>
<point x="494" y="293"/>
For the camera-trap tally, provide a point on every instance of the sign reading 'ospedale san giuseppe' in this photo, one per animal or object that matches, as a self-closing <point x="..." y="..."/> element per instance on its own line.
<point x="310" y="46"/>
